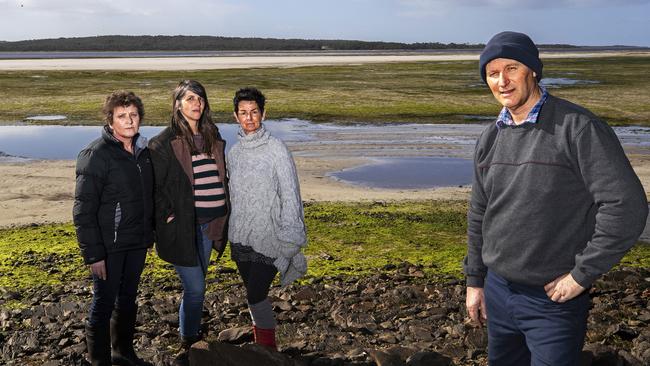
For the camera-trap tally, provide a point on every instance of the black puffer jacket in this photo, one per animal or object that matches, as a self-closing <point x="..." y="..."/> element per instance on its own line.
<point x="113" y="207"/>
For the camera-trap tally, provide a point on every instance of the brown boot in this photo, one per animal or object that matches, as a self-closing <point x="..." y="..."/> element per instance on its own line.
<point x="183" y="355"/>
<point x="265" y="337"/>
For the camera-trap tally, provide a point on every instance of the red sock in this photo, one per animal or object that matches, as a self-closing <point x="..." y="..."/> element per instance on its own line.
<point x="265" y="337"/>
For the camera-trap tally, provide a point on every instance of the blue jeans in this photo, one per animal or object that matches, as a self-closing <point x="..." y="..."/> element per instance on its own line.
<point x="119" y="290"/>
<point x="526" y="327"/>
<point x="193" y="280"/>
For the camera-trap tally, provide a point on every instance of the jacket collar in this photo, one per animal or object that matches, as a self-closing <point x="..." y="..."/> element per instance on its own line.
<point x="139" y="145"/>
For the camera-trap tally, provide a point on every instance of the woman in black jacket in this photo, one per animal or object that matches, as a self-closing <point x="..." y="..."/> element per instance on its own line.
<point x="191" y="199"/>
<point x="113" y="211"/>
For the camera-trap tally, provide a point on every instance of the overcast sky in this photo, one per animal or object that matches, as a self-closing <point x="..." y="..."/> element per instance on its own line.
<point x="578" y="22"/>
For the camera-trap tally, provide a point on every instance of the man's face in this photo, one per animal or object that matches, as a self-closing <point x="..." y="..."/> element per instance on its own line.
<point x="249" y="116"/>
<point x="512" y="83"/>
<point x="126" y="122"/>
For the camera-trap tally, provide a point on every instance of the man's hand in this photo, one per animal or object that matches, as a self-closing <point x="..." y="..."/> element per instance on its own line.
<point x="99" y="269"/>
<point x="475" y="303"/>
<point x="563" y="288"/>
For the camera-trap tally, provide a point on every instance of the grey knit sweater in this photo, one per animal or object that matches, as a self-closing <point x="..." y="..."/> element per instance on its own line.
<point x="267" y="212"/>
<point x="554" y="197"/>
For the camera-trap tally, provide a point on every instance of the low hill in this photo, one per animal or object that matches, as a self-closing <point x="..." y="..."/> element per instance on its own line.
<point x="212" y="43"/>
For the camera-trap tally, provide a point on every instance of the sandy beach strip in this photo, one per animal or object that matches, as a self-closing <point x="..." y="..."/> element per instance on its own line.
<point x="238" y="62"/>
<point x="42" y="191"/>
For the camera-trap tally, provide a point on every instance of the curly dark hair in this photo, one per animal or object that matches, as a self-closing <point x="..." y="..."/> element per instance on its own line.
<point x="121" y="98"/>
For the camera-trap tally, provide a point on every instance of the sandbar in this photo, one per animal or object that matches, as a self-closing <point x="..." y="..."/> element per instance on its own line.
<point x="239" y="62"/>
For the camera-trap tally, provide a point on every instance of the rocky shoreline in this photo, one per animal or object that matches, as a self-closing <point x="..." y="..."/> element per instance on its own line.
<point x="399" y="316"/>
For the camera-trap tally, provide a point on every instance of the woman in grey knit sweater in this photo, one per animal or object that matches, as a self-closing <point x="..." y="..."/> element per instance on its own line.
<point x="266" y="227"/>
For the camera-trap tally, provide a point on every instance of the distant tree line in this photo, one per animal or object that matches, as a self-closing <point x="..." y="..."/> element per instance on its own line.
<point x="211" y="43"/>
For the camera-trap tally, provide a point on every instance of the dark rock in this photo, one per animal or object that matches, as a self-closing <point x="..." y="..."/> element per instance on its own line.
<point x="454" y="350"/>
<point x="602" y="355"/>
<point x="331" y="321"/>
<point x="306" y="293"/>
<point x="586" y="358"/>
<point x="226" y="270"/>
<point x="402" y="352"/>
<point x="11" y="295"/>
<point x="321" y="361"/>
<point x="65" y="342"/>
<point x="356" y="354"/>
<point x="629" y="359"/>
<point x="236" y="335"/>
<point x="421" y="333"/>
<point x="295" y="347"/>
<point x="326" y="256"/>
<point x="388" y="338"/>
<point x="622" y="331"/>
<point x="476" y="338"/>
<point x="382" y="358"/>
<point x="429" y="359"/>
<point x="641" y="347"/>
<point x="171" y="319"/>
<point x="223" y="354"/>
<point x="282" y="305"/>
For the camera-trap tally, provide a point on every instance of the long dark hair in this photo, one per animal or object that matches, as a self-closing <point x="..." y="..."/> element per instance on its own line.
<point x="206" y="127"/>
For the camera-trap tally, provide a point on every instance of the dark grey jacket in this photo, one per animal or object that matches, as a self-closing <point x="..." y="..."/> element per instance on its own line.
<point x="113" y="206"/>
<point x="554" y="197"/>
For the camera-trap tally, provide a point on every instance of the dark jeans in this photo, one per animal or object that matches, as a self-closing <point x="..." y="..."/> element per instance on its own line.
<point x="120" y="288"/>
<point x="257" y="279"/>
<point x="525" y="327"/>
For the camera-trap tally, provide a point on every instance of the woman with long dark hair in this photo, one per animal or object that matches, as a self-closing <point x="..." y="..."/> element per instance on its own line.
<point x="191" y="200"/>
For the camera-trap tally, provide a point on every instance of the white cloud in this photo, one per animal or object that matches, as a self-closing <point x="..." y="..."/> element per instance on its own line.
<point x="121" y="7"/>
<point x="439" y="9"/>
<point x="28" y="19"/>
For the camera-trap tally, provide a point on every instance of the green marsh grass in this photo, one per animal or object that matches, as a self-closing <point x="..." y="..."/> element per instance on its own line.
<point x="345" y="239"/>
<point x="427" y="92"/>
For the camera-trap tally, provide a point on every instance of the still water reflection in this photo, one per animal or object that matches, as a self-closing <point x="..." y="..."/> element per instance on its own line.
<point x="410" y="173"/>
<point x="402" y="155"/>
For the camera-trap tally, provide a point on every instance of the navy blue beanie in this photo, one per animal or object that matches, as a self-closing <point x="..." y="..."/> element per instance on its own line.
<point x="512" y="45"/>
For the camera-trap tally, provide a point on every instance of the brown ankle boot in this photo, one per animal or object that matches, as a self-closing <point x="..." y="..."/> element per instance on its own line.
<point x="183" y="355"/>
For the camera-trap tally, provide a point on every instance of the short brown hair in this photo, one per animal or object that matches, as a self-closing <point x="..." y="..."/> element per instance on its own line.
<point x="121" y="98"/>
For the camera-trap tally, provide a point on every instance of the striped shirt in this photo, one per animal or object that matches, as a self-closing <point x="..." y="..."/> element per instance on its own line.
<point x="209" y="194"/>
<point x="505" y="118"/>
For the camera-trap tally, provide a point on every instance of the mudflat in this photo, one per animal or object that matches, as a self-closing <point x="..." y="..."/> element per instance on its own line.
<point x="42" y="191"/>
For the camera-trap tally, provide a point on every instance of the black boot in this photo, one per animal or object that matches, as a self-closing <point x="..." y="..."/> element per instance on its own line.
<point x="122" y="329"/>
<point x="183" y="355"/>
<point x="98" y="343"/>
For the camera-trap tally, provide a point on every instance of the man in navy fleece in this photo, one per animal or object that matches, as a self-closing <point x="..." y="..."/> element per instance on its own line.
<point x="555" y="204"/>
